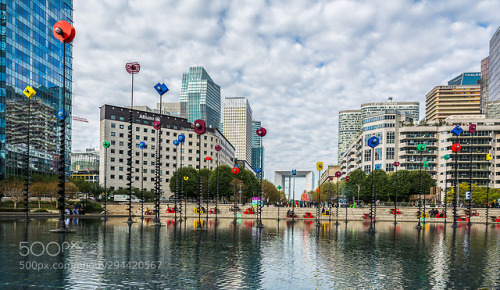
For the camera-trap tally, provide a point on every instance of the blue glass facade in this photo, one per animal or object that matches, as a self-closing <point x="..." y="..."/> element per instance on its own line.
<point x="31" y="56"/>
<point x="256" y="158"/>
<point x="465" y="79"/>
<point x="200" y="97"/>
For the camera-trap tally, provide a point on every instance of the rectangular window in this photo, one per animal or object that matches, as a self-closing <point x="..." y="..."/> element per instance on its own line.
<point x="121" y="126"/>
<point x="389" y="167"/>
<point x="113" y="125"/>
<point x="368" y="155"/>
<point x="389" y="153"/>
<point x="113" y="134"/>
<point x="378" y="153"/>
<point x="390" y="137"/>
<point x="368" y="168"/>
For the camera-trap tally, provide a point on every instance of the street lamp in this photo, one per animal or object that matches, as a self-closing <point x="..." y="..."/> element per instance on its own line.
<point x="65" y="33"/>
<point x="455" y="148"/>
<point x="421" y="148"/>
<point x="261" y="132"/>
<point x="319" y="166"/>
<point x="294" y="174"/>
<point x="338" y="174"/>
<point x="181" y="138"/>
<point x="142" y="145"/>
<point x="199" y="129"/>
<point x="446" y="158"/>
<point x="372" y="142"/>
<point x="217" y="148"/>
<point x="346" y="203"/>
<point x="472" y="130"/>
<point x="396" y="165"/>
<point x="28" y="92"/>
<point x="235" y="171"/>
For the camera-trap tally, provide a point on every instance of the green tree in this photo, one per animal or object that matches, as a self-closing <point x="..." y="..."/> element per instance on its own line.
<point x="225" y="177"/>
<point x="328" y="191"/>
<point x="356" y="177"/>
<point x="400" y="181"/>
<point x="251" y="186"/>
<point x="379" y="186"/>
<point x="186" y="187"/>
<point x="270" y="191"/>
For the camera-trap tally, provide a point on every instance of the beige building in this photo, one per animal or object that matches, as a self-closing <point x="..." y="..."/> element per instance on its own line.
<point x="113" y="160"/>
<point x="238" y="127"/>
<point x="444" y="101"/>
<point x="330" y="172"/>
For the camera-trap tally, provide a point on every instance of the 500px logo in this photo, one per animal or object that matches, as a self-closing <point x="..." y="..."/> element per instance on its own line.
<point x="38" y="248"/>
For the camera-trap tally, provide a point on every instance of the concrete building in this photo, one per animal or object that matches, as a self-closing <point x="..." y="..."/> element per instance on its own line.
<point x="171" y="109"/>
<point x="444" y="101"/>
<point x="32" y="56"/>
<point x="438" y="138"/>
<point x="113" y="161"/>
<point x="85" y="160"/>
<point x="200" y="97"/>
<point x="351" y="121"/>
<point x="330" y="173"/>
<point x="494" y="77"/>
<point x="238" y="127"/>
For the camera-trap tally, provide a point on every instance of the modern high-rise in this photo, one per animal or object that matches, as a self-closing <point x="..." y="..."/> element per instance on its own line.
<point x="444" y="101"/>
<point x="351" y="121"/>
<point x="349" y="129"/>
<point x="200" y="97"/>
<point x="238" y="127"/>
<point x="494" y="77"/>
<point x="256" y="145"/>
<point x="32" y="56"/>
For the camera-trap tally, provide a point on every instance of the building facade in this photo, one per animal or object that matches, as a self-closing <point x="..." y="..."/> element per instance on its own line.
<point x="87" y="160"/>
<point x="494" y="77"/>
<point x="484" y="83"/>
<point x="113" y="160"/>
<point x="438" y="140"/>
<point x="32" y="56"/>
<point x="444" y="101"/>
<point x="238" y="127"/>
<point x="200" y="97"/>
<point x="351" y="121"/>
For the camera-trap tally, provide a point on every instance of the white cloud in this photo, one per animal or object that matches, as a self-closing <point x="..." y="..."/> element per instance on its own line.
<point x="298" y="62"/>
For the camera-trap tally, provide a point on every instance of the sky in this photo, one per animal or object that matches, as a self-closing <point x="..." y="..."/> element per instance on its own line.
<point x="299" y="62"/>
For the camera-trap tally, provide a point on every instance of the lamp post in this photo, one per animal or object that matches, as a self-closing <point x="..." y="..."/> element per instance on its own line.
<point x="319" y="166"/>
<point x="28" y="92"/>
<point x="330" y="200"/>
<point x="208" y="158"/>
<point x="142" y="145"/>
<point x="372" y="142"/>
<point x="446" y="158"/>
<point x="181" y="138"/>
<point x="176" y="143"/>
<point x="235" y="171"/>
<point x="261" y="132"/>
<point x="488" y="158"/>
<point x="279" y="202"/>
<point x="217" y="148"/>
<point x="132" y="68"/>
<point x="472" y="130"/>
<point x="396" y="165"/>
<point x="199" y="129"/>
<point x="455" y="148"/>
<point x="338" y="174"/>
<point x="346" y="203"/>
<point x="420" y="148"/>
<point x="106" y="145"/>
<point x="65" y="33"/>
<point x="294" y="174"/>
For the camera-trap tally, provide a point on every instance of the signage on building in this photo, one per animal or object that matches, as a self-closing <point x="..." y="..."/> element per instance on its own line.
<point x="146" y="117"/>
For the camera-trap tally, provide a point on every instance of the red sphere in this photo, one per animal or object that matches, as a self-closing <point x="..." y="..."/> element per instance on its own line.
<point x="396" y="164"/>
<point x="456" y="147"/>
<point x="236" y="170"/>
<point x="338" y="174"/>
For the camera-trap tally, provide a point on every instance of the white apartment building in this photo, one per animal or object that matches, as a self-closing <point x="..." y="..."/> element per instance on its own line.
<point x="238" y="127"/>
<point x="113" y="160"/>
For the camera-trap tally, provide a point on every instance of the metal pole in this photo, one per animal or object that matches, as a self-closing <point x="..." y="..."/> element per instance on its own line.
<point x="217" y="184"/>
<point x="396" y="199"/>
<point x="182" y="189"/>
<point x="488" y="195"/>
<point x="27" y="165"/>
<point x="62" y="152"/>
<point x="129" y="158"/>
<point x="142" y="184"/>
<point x="235" y="206"/>
<point x="318" y="210"/>
<point x="293" y="201"/>
<point x="470" y="181"/>
<point x="259" y="204"/>
<point x="455" y="193"/>
<point x="199" y="182"/>
<point x="105" y="185"/>
<point x="372" y="223"/>
<point x="176" y="184"/>
<point x="446" y="192"/>
<point x="337" y="206"/>
<point x="419" y="225"/>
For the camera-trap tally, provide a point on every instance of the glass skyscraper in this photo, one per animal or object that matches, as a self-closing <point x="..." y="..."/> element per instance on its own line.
<point x="494" y="77"/>
<point x="256" y="158"/>
<point x="31" y="56"/>
<point x="200" y="97"/>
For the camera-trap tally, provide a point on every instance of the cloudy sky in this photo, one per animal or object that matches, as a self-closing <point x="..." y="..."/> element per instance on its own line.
<point x="298" y="62"/>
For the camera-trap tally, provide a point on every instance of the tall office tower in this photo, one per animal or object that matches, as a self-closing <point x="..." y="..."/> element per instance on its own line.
<point x="349" y="129"/>
<point x="256" y="150"/>
<point x="200" y="97"/>
<point x="32" y="56"/>
<point x="463" y="79"/>
<point x="494" y="77"/>
<point x="483" y="84"/>
<point x="238" y="127"/>
<point x="444" y="101"/>
<point x="172" y="109"/>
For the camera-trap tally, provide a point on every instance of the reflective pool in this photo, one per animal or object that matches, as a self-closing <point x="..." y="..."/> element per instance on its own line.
<point x="284" y="255"/>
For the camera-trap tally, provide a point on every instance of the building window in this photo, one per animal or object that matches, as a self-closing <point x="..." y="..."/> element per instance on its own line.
<point x="121" y="143"/>
<point x="112" y="150"/>
<point x="120" y="152"/>
<point x="120" y="168"/>
<point x="368" y="168"/>
<point x="113" y="134"/>
<point x="137" y="129"/>
<point x="121" y="126"/>
<point x="389" y="167"/>
<point x="112" y="176"/>
<point x="112" y="159"/>
<point x="120" y="176"/>
<point x="112" y="168"/>
<point x="145" y="130"/>
<point x="121" y="160"/>
<point x="378" y="153"/>
<point x="113" y="142"/>
<point x="121" y="135"/>
<point x="390" y="137"/>
<point x="389" y="153"/>
<point x="113" y="117"/>
<point x="368" y="155"/>
<point x="113" y="125"/>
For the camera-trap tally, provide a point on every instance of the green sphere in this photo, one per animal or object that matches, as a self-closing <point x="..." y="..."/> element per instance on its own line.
<point x="105" y="144"/>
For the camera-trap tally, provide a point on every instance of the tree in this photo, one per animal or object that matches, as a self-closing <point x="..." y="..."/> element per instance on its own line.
<point x="189" y="186"/>
<point x="15" y="188"/>
<point x="251" y="185"/>
<point x="356" y="177"/>
<point x="225" y="177"/>
<point x="401" y="182"/>
<point x="328" y="191"/>
<point x="270" y="191"/>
